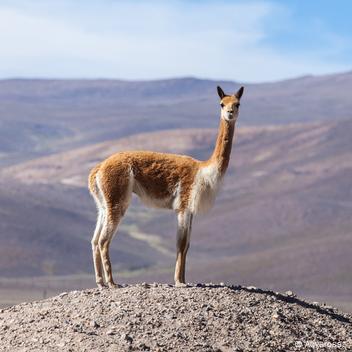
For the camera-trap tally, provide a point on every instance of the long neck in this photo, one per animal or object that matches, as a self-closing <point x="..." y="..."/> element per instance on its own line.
<point x="223" y="146"/>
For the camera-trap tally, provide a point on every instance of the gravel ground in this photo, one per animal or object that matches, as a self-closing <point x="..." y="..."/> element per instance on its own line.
<point x="155" y="317"/>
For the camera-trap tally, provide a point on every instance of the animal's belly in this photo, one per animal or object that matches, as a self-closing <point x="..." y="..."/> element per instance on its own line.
<point x="151" y="200"/>
<point x="165" y="203"/>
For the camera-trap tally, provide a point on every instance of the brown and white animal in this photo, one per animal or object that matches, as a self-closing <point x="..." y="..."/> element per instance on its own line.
<point x="170" y="181"/>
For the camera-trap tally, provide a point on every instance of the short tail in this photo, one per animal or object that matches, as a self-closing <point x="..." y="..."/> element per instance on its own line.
<point x="92" y="180"/>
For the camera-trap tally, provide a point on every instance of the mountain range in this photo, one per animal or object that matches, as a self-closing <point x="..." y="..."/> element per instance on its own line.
<point x="282" y="220"/>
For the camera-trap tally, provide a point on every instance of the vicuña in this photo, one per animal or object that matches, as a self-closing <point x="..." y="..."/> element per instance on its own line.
<point x="170" y="181"/>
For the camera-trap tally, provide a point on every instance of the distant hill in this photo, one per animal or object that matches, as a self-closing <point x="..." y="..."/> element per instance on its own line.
<point x="38" y="117"/>
<point x="282" y="219"/>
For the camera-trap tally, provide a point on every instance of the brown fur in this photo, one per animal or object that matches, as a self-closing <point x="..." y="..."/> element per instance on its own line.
<point x="160" y="172"/>
<point x="223" y="146"/>
<point x="166" y="180"/>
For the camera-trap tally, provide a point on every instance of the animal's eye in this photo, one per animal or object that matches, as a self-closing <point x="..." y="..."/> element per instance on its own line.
<point x="222" y="105"/>
<point x="237" y="105"/>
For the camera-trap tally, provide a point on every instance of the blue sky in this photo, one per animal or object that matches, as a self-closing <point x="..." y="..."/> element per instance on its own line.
<point x="249" y="41"/>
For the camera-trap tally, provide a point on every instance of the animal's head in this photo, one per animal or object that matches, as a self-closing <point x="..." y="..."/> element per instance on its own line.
<point x="230" y="104"/>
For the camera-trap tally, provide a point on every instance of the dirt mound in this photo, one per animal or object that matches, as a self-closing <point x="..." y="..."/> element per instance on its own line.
<point x="159" y="317"/>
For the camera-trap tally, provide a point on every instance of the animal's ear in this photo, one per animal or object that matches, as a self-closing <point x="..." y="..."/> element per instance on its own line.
<point x="220" y="92"/>
<point x="239" y="93"/>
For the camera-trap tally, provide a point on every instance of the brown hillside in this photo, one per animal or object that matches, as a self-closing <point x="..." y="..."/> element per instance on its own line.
<point x="282" y="219"/>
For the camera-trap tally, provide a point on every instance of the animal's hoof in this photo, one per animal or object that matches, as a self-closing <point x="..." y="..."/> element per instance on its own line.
<point x="101" y="286"/>
<point x="113" y="285"/>
<point x="180" y="284"/>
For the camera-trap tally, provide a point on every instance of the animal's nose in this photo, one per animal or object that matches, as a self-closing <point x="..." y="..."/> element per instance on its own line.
<point x="231" y="111"/>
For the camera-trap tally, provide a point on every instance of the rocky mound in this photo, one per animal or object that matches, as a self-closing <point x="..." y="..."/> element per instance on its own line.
<point x="164" y="318"/>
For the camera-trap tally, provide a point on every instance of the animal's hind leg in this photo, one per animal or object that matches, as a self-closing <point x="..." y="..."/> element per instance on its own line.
<point x="109" y="228"/>
<point x="114" y="191"/>
<point x="116" y="207"/>
<point x="96" y="250"/>
<point x="96" y="193"/>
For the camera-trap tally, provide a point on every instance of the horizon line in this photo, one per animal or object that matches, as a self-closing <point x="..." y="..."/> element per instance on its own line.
<point x="186" y="77"/>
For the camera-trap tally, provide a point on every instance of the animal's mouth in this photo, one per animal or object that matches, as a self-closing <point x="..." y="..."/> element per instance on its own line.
<point x="228" y="116"/>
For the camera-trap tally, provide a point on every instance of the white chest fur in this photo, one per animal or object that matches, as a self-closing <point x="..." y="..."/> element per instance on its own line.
<point x="205" y="187"/>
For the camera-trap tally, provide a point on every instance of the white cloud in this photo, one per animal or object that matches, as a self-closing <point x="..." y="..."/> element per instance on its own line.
<point x="145" y="40"/>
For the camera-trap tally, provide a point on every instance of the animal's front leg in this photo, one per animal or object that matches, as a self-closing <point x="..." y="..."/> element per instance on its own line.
<point x="183" y="239"/>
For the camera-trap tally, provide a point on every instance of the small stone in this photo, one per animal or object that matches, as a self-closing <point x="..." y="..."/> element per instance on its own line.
<point x="128" y="338"/>
<point x="290" y="294"/>
<point x="110" y="332"/>
<point x="252" y="288"/>
<point x="63" y="294"/>
<point x="94" y="324"/>
<point x="275" y="315"/>
<point x="144" y="347"/>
